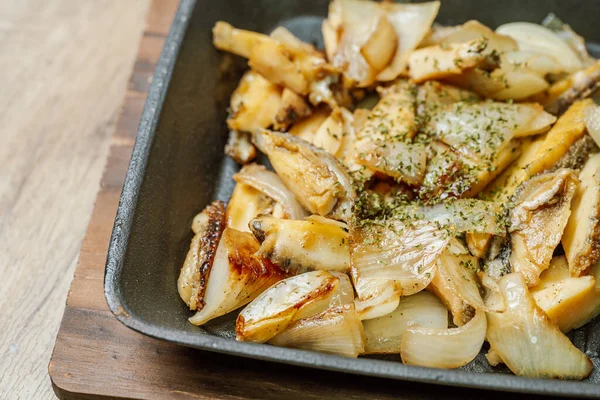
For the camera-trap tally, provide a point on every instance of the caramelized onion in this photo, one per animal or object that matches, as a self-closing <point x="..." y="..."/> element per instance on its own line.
<point x="336" y="330"/>
<point x="263" y="180"/>
<point x="285" y="302"/>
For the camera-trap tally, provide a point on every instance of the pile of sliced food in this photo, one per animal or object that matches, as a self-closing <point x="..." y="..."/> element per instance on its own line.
<point x="432" y="188"/>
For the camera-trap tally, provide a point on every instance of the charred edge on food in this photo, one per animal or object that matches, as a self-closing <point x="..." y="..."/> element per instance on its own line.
<point x="208" y="247"/>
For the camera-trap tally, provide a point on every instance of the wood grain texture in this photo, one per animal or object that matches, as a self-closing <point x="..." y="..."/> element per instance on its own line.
<point x="64" y="68"/>
<point x="96" y="357"/>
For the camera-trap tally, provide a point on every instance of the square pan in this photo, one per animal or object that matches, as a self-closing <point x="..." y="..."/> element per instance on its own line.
<point x="178" y="166"/>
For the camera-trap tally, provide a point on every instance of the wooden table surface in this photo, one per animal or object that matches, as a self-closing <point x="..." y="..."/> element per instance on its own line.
<point x="64" y="68"/>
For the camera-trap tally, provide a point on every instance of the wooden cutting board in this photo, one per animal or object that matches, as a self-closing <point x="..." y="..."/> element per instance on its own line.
<point x="95" y="356"/>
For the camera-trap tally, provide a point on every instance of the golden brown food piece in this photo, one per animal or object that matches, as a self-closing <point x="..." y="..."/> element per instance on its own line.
<point x="236" y="41"/>
<point x="300" y="246"/>
<point x="581" y="239"/>
<point x="319" y="181"/>
<point x="246" y="203"/>
<point x="478" y="244"/>
<point x="556" y="143"/>
<point x="272" y="60"/>
<point x="561" y="95"/>
<point x="239" y="147"/>
<point x="208" y="227"/>
<point x="473" y="29"/>
<point x="437" y="62"/>
<point x="235" y="277"/>
<point x="287" y="301"/>
<point x="254" y="103"/>
<point x="480" y="131"/>
<point x="292" y="108"/>
<point x="306" y="128"/>
<point x="541" y="212"/>
<point x="578" y="154"/>
<point x="445" y="287"/>
<point x="540" y="154"/>
<point x="569" y="302"/>
<point x="337" y="330"/>
<point x="479" y="176"/>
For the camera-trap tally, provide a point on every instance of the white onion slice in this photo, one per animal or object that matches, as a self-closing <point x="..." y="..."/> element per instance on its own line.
<point x="384" y="334"/>
<point x="344" y="293"/>
<point x="591" y="117"/>
<point x="336" y="330"/>
<point x="444" y="348"/>
<point x="291" y="299"/>
<point x="482" y="130"/>
<point x="527" y="341"/>
<point x="376" y="297"/>
<point x="463" y="215"/>
<point x="534" y="37"/>
<point x="396" y="252"/>
<point x="263" y="180"/>
<point x="235" y="277"/>
<point x="401" y="161"/>
<point x="412" y="22"/>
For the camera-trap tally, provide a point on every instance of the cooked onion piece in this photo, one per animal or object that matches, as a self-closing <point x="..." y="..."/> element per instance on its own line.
<point x="357" y="24"/>
<point x="306" y="128"/>
<point x="291" y="299"/>
<point x="330" y="134"/>
<point x="439" y="62"/>
<point x="393" y="116"/>
<point x="396" y="252"/>
<point x="319" y="181"/>
<point x="376" y="297"/>
<point x="254" y="103"/>
<point x="380" y="47"/>
<point x="538" y="220"/>
<point x="384" y="334"/>
<point x="300" y="246"/>
<point x="527" y="341"/>
<point x="336" y="330"/>
<point x="480" y="175"/>
<point x="235" y="277"/>
<point x="208" y="226"/>
<point x="412" y="22"/>
<point x="246" y="203"/>
<point x="344" y="294"/>
<point x="461" y="215"/>
<point x="534" y="37"/>
<point x="384" y="142"/>
<point x="267" y="182"/>
<point x="482" y="130"/>
<point x="444" y="348"/>
<point x="566" y="34"/>
<point x="402" y="161"/>
<point x="581" y="239"/>
<point x="472" y="30"/>
<point x="566" y="300"/>
<point x="456" y="285"/>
